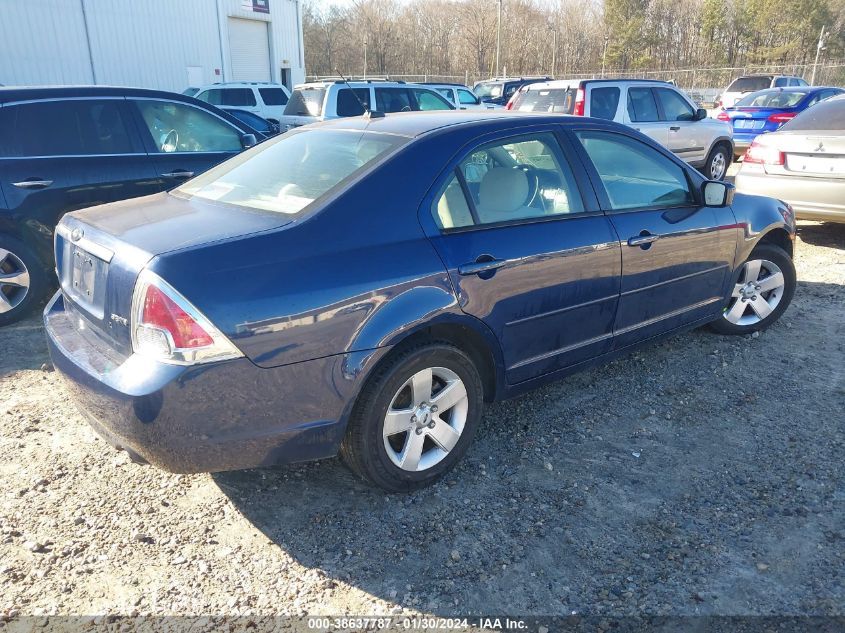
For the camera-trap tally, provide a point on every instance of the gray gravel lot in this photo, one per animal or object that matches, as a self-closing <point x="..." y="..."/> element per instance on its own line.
<point x="700" y="476"/>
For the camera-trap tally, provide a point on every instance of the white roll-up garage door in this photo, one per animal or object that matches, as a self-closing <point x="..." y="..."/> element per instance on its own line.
<point x="249" y="49"/>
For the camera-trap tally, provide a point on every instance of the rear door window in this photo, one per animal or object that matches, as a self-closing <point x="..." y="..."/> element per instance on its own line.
<point x="66" y="128"/>
<point x="393" y="100"/>
<point x="641" y="105"/>
<point x="273" y="96"/>
<point x="604" y="102"/>
<point x="518" y="178"/>
<point x="230" y="97"/>
<point x="352" y="102"/>
<point x="179" y="127"/>
<point x="675" y="107"/>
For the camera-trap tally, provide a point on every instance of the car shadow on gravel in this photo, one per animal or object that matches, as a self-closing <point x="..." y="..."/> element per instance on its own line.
<point x="829" y="234"/>
<point x="23" y="346"/>
<point x="672" y="481"/>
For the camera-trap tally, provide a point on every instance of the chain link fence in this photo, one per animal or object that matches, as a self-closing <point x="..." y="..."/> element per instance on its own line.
<point x="703" y="85"/>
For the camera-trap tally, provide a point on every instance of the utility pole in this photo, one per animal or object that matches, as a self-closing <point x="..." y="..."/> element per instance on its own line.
<point x="498" y="35"/>
<point x="554" y="49"/>
<point x="365" y="58"/>
<point x="819" y="48"/>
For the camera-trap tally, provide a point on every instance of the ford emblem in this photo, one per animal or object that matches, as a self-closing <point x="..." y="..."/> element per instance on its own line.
<point x="76" y="235"/>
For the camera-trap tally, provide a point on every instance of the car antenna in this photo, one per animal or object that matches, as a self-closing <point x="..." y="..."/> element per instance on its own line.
<point x="368" y="114"/>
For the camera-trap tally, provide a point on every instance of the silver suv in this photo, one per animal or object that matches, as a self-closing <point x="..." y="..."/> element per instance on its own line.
<point x="318" y="101"/>
<point x="747" y="84"/>
<point x="655" y="108"/>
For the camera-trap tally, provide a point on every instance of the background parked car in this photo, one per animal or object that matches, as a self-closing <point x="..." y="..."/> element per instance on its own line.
<point x="741" y="86"/>
<point x="656" y="108"/>
<point x="803" y="163"/>
<point x="323" y="100"/>
<point x="257" y="123"/>
<point x="267" y="100"/>
<point x="460" y="96"/>
<point x="63" y="149"/>
<point x="767" y="110"/>
<point x="499" y="91"/>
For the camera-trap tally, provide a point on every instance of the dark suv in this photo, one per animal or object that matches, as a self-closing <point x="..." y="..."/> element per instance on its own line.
<point x="63" y="149"/>
<point x="499" y="91"/>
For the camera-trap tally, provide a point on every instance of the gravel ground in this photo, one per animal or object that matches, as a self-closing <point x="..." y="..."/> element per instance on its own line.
<point x="700" y="476"/>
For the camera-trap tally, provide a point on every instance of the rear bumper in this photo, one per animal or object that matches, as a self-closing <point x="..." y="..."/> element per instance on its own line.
<point x="229" y="415"/>
<point x="811" y="198"/>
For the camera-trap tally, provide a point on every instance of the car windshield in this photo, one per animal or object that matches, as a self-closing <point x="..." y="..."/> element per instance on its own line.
<point x="287" y="174"/>
<point x="749" y="84"/>
<point x="779" y="99"/>
<point x="306" y="102"/>
<point x="488" y="89"/>
<point x="824" y="116"/>
<point x="560" y="100"/>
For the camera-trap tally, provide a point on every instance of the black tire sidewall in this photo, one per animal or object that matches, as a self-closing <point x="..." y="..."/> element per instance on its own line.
<point x="777" y="256"/>
<point x="37" y="279"/>
<point x="370" y="418"/>
<point x="718" y="149"/>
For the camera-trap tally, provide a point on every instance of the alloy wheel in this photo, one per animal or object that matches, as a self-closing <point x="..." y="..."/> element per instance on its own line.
<point x="756" y="294"/>
<point x="425" y="419"/>
<point x="718" y="166"/>
<point x="14" y="281"/>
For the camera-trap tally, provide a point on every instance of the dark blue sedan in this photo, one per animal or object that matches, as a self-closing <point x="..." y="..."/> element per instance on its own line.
<point x="767" y="110"/>
<point x="364" y="286"/>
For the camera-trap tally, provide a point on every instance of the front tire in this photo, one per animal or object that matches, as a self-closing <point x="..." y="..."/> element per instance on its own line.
<point x="717" y="162"/>
<point x="23" y="282"/>
<point x="761" y="293"/>
<point x="415" y="418"/>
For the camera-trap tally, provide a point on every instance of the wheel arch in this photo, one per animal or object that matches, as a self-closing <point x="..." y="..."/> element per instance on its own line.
<point x="780" y="237"/>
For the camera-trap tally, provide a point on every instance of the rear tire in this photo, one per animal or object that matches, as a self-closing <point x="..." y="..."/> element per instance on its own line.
<point x="415" y="417"/>
<point x="23" y="281"/>
<point x="761" y="293"/>
<point x="717" y="163"/>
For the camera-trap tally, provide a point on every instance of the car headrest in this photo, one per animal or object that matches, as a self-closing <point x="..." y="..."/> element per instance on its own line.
<point x="503" y="190"/>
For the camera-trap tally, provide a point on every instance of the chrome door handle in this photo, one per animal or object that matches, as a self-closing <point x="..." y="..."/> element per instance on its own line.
<point x="33" y="184"/>
<point x="642" y="240"/>
<point x="178" y="174"/>
<point x="480" y="267"/>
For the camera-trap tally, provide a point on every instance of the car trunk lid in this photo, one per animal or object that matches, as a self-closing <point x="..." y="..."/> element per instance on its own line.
<point x="100" y="252"/>
<point x="809" y="154"/>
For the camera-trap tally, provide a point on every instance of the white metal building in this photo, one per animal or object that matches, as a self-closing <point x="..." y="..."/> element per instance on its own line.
<point x="164" y="44"/>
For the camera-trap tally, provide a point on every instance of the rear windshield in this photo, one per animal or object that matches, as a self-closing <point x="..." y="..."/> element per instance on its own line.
<point x="287" y="174"/>
<point x="750" y="84"/>
<point x="306" y="102"/>
<point x="560" y="100"/>
<point x="488" y="89"/>
<point x="780" y="99"/>
<point x="826" y="116"/>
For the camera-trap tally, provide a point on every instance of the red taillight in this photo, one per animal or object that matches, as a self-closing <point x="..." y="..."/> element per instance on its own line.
<point x="579" y="103"/>
<point x="167" y="328"/>
<point x="781" y="117"/>
<point x="160" y="311"/>
<point x="723" y="116"/>
<point x="762" y="154"/>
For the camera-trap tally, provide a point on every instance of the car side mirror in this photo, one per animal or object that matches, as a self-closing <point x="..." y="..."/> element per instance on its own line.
<point x="248" y="140"/>
<point x="718" y="193"/>
<point x="700" y="114"/>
